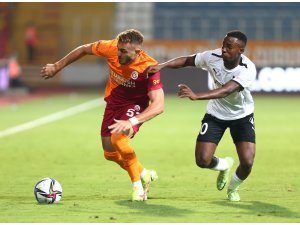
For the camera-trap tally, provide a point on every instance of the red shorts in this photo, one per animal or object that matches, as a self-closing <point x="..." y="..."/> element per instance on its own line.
<point x="119" y="113"/>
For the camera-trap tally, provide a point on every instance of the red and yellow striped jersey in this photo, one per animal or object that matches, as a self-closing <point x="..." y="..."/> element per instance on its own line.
<point x="126" y="84"/>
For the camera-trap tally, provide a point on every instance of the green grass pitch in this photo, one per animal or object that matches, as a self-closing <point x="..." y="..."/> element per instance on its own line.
<point x="95" y="190"/>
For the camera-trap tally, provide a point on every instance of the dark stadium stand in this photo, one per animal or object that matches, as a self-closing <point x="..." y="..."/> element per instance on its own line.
<point x="197" y="20"/>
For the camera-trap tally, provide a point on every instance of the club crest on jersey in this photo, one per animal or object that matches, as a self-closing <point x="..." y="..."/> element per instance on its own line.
<point x="217" y="72"/>
<point x="134" y="75"/>
<point x="137" y="108"/>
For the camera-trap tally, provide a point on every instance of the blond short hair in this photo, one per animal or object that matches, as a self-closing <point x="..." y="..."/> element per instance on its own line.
<point x="131" y="36"/>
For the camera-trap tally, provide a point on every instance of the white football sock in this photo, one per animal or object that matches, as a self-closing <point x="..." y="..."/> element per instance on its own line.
<point x="139" y="185"/>
<point x="234" y="182"/>
<point x="143" y="173"/>
<point x="222" y="165"/>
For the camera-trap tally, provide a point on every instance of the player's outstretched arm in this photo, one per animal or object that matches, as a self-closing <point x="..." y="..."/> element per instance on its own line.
<point x="222" y="92"/>
<point x="175" y="63"/>
<point x="50" y="70"/>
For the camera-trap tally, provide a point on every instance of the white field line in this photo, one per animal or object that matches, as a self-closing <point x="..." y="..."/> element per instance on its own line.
<point x="52" y="117"/>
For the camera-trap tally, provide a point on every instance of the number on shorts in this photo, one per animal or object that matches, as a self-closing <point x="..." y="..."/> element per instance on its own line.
<point x="131" y="112"/>
<point x="204" y="128"/>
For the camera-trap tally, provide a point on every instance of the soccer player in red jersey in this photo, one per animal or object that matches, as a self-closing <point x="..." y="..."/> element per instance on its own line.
<point x="132" y="98"/>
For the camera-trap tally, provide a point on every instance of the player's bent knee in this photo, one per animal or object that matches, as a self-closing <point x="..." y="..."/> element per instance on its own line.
<point x="246" y="166"/>
<point x="202" y="163"/>
<point x="111" y="156"/>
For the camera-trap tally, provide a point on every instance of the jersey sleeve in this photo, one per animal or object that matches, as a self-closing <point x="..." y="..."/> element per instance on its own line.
<point x="246" y="77"/>
<point x="201" y="59"/>
<point x="104" y="48"/>
<point x="154" y="82"/>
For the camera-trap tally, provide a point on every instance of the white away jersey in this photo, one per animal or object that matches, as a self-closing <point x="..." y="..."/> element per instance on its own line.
<point x="238" y="104"/>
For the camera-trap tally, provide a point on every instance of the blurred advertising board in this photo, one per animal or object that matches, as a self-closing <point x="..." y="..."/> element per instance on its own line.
<point x="274" y="53"/>
<point x="277" y="63"/>
<point x="277" y="79"/>
<point x="4" y="28"/>
<point x="4" y="77"/>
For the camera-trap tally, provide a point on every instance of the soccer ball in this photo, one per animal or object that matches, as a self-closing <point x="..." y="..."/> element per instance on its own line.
<point x="48" y="191"/>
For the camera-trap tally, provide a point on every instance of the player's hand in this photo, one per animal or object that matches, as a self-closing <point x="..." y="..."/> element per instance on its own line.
<point x="153" y="69"/>
<point x="120" y="126"/>
<point x="186" y="92"/>
<point x="49" y="71"/>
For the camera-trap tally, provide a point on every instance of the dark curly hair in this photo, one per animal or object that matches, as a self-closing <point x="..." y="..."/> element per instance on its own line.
<point x="239" y="35"/>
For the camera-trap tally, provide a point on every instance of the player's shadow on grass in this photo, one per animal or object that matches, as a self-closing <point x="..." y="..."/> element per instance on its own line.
<point x="260" y="209"/>
<point x="157" y="209"/>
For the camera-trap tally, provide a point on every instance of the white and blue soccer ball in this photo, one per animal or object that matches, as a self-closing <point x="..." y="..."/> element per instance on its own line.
<point x="48" y="191"/>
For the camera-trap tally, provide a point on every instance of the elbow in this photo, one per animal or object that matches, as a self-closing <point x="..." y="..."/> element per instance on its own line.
<point x="160" y="110"/>
<point x="225" y="93"/>
<point x="85" y="49"/>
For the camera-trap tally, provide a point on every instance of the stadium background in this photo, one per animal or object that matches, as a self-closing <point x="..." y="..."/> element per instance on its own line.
<point x="56" y="132"/>
<point x="170" y="29"/>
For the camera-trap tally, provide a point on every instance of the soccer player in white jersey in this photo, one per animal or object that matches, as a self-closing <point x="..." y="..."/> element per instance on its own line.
<point x="230" y="106"/>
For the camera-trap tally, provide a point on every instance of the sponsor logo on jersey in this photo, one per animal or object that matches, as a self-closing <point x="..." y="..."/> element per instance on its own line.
<point x="217" y="72"/>
<point x="155" y="82"/>
<point x="121" y="80"/>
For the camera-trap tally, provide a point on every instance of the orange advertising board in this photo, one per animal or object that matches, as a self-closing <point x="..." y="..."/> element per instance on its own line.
<point x="274" y="53"/>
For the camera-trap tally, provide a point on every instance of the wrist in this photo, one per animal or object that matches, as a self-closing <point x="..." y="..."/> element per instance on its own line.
<point x="57" y="67"/>
<point x="134" y="121"/>
<point x="162" y="65"/>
